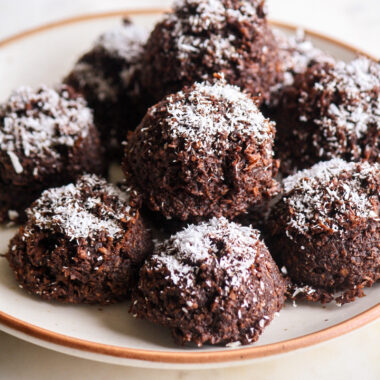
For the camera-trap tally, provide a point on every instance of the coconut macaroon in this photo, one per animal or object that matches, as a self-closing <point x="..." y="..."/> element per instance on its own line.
<point x="104" y="75"/>
<point x="202" y="37"/>
<point x="332" y="110"/>
<point x="326" y="229"/>
<point x="82" y="243"/>
<point x="212" y="283"/>
<point x="202" y="152"/>
<point x="47" y="138"/>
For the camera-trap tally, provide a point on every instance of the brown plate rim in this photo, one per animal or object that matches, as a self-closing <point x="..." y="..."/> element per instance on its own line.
<point x="246" y="353"/>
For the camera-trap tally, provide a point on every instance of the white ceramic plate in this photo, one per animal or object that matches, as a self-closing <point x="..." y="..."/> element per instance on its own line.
<point x="110" y="334"/>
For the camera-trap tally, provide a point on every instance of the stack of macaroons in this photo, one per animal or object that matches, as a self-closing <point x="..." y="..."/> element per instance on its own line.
<point x="211" y="72"/>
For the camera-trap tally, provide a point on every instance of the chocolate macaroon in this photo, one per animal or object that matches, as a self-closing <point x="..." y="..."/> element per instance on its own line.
<point x="104" y="75"/>
<point x="82" y="243"/>
<point x="332" y="110"/>
<point x="326" y="230"/>
<point x="47" y="138"/>
<point x="202" y="37"/>
<point x="202" y="152"/>
<point x="212" y="283"/>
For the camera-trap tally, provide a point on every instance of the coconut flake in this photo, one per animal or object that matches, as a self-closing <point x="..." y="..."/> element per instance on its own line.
<point x="15" y="162"/>
<point x="307" y="290"/>
<point x="233" y="344"/>
<point x="13" y="215"/>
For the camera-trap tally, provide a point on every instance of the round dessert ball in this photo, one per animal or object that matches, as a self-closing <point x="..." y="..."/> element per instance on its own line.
<point x="212" y="283"/>
<point x="332" y="110"/>
<point x="326" y="229"/>
<point x="203" y="37"/>
<point x="47" y="138"/>
<point x="82" y="243"/>
<point x="202" y="152"/>
<point x="104" y="76"/>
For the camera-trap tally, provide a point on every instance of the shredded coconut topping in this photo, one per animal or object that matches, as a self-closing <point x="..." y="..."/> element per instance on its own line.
<point x="185" y="251"/>
<point x="357" y="84"/>
<point x="33" y="123"/>
<point x="306" y="290"/>
<point x="209" y="113"/>
<point x="297" y="52"/>
<point x="82" y="210"/>
<point x="360" y="75"/>
<point x="198" y="27"/>
<point x="125" y="41"/>
<point x="123" y="44"/>
<point x="330" y="194"/>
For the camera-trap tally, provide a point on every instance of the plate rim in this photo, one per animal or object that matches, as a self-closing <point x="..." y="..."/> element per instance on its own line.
<point x="175" y="357"/>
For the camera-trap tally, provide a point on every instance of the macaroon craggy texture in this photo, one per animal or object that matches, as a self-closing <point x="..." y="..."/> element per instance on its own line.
<point x="47" y="138"/>
<point x="203" y="37"/>
<point x="332" y="110"/>
<point x="202" y="152"/>
<point x="212" y="283"/>
<point x="82" y="243"/>
<point x="104" y="76"/>
<point x="326" y="229"/>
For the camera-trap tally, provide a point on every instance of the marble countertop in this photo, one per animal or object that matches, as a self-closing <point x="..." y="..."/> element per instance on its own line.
<point x="355" y="355"/>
